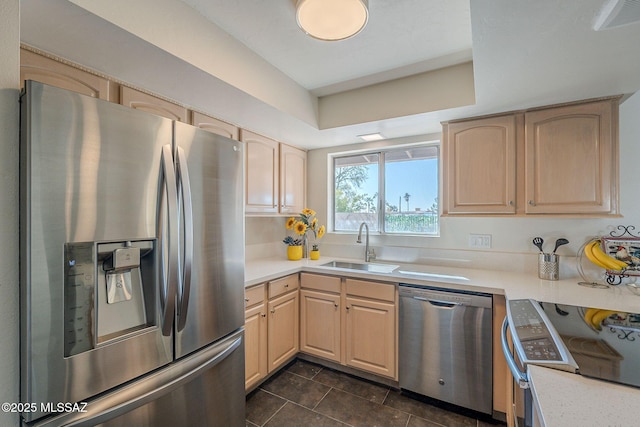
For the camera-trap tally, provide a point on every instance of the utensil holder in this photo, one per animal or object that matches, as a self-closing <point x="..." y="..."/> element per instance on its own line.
<point x="548" y="266"/>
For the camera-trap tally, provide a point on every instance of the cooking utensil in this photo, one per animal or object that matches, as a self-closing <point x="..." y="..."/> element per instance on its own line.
<point x="560" y="242"/>
<point x="538" y="242"/>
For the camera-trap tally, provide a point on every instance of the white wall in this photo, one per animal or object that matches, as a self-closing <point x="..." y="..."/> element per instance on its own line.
<point x="511" y="236"/>
<point x="9" y="117"/>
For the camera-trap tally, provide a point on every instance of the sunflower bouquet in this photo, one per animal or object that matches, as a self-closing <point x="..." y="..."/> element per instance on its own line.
<point x="303" y="223"/>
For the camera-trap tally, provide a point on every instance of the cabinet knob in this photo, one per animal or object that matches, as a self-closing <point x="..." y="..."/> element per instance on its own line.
<point x="263" y="315"/>
<point x="532" y="203"/>
<point x="286" y="286"/>
<point x="348" y="308"/>
<point x="335" y="305"/>
<point x="510" y="202"/>
<point x="273" y="310"/>
<point x="246" y="300"/>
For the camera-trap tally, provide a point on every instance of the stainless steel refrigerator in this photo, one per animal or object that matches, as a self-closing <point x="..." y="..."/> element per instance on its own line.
<point x="132" y="267"/>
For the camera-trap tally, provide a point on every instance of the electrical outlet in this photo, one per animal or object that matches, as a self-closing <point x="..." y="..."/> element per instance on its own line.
<point x="480" y="241"/>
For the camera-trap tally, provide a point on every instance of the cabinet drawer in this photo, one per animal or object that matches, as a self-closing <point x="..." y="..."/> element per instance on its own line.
<point x="284" y="285"/>
<point x="253" y="295"/>
<point x="375" y="290"/>
<point x="320" y="282"/>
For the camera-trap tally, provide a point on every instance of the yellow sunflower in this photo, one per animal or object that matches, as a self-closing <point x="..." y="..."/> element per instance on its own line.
<point x="300" y="228"/>
<point x="307" y="211"/>
<point x="321" y="232"/>
<point x="314" y="222"/>
<point x="290" y="223"/>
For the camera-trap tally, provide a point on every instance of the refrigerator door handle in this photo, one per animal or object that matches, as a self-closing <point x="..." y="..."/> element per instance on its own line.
<point x="168" y="241"/>
<point x="185" y="191"/>
<point x="134" y="396"/>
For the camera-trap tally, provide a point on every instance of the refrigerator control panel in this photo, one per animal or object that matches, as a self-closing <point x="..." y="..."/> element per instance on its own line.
<point x="79" y="297"/>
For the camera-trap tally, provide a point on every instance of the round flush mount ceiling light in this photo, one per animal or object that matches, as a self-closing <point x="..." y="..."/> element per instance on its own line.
<point x="332" y="19"/>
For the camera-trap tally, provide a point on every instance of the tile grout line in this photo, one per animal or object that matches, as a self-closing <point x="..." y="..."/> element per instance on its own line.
<point x="347" y="391"/>
<point x="302" y="406"/>
<point x="321" y="399"/>
<point x="275" y="413"/>
<point x="278" y="410"/>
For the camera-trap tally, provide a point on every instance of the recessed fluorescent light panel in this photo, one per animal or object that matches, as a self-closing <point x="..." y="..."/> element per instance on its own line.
<point x="617" y="13"/>
<point x="372" y="137"/>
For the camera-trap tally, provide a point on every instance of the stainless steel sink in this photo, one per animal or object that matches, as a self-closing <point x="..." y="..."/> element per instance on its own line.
<point x="371" y="267"/>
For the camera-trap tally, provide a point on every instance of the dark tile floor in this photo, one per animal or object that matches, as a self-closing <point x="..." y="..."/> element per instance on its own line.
<point x="309" y="395"/>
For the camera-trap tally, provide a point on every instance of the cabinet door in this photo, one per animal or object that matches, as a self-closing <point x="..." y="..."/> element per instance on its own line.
<point x="371" y="336"/>
<point x="570" y="154"/>
<point x="214" y="125"/>
<point x="255" y="345"/>
<point x="480" y="158"/>
<point x="293" y="179"/>
<point x="320" y="324"/>
<point x="262" y="168"/>
<point x="45" y="70"/>
<point x="283" y="327"/>
<point x="142" y="101"/>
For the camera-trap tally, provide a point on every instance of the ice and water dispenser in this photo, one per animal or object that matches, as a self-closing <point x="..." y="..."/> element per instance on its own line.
<point x="110" y="292"/>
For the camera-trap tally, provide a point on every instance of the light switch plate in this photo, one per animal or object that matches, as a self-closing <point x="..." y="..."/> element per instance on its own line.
<point x="480" y="241"/>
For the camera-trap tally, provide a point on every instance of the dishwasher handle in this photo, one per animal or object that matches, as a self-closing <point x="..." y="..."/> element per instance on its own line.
<point x="437" y="302"/>
<point x="521" y="377"/>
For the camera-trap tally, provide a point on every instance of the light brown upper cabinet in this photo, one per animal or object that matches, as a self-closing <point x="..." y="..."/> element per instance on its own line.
<point x="262" y="165"/>
<point x="560" y="160"/>
<point x="275" y="176"/>
<point x="48" y="71"/>
<point x="293" y="179"/>
<point x="481" y="166"/>
<point x="151" y="104"/>
<point x="214" y="125"/>
<point x="571" y="159"/>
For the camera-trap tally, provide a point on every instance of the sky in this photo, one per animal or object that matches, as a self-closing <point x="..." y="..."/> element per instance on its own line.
<point x="418" y="178"/>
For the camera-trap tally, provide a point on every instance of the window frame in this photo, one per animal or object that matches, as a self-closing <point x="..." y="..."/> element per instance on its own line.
<point x="380" y="204"/>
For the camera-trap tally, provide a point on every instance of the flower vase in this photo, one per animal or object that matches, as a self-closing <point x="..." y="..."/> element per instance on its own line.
<point x="314" y="254"/>
<point x="294" y="253"/>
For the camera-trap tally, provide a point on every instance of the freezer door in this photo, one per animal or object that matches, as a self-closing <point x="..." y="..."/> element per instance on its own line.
<point x="204" y="389"/>
<point x="210" y="298"/>
<point x="90" y="182"/>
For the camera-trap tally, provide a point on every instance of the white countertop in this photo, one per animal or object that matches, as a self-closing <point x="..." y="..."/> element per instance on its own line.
<point x="512" y="285"/>
<point x="565" y="399"/>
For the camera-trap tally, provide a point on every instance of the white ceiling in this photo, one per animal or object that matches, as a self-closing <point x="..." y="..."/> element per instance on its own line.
<point x="525" y="53"/>
<point x="401" y="38"/>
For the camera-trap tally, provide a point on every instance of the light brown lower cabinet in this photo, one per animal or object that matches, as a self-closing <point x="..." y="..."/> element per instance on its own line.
<point x="255" y="343"/>
<point x="320" y="324"/>
<point x="282" y="326"/>
<point x="352" y="322"/>
<point x="370" y="336"/>
<point x="502" y="378"/>
<point x="271" y="325"/>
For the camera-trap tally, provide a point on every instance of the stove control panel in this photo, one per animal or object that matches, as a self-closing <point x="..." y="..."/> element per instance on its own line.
<point x="532" y="332"/>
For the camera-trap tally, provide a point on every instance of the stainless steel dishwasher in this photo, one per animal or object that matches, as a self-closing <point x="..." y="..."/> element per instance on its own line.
<point x="446" y="345"/>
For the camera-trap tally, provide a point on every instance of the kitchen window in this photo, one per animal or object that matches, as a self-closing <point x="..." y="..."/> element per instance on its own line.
<point x="394" y="191"/>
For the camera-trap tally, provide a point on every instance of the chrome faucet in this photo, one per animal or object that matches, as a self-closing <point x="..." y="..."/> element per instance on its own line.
<point x="369" y="254"/>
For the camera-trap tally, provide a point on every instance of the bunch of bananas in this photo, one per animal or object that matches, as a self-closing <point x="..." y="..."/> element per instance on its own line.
<point x="594" y="317"/>
<point x="598" y="257"/>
